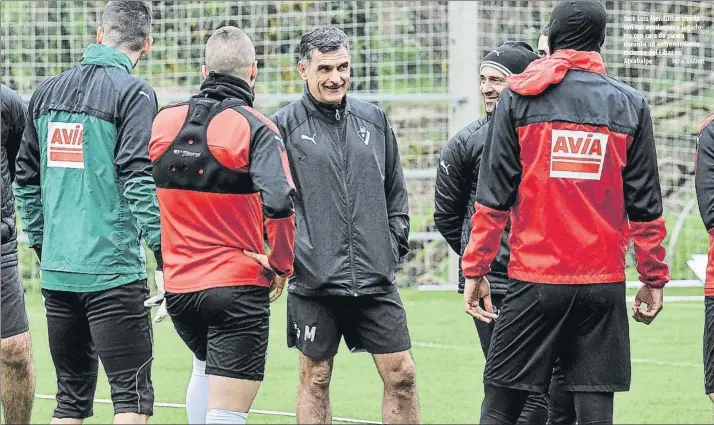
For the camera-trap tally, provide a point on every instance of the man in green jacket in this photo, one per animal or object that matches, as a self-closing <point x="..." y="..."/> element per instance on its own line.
<point x="86" y="197"/>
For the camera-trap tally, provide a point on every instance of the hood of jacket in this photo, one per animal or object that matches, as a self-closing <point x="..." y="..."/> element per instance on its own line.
<point x="548" y="71"/>
<point x="577" y="25"/>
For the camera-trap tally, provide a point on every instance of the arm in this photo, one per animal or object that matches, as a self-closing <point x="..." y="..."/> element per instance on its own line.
<point x="14" y="139"/>
<point x="704" y="186"/>
<point x="270" y="173"/>
<point x="498" y="181"/>
<point x="395" y="190"/>
<point x="133" y="165"/>
<point x="453" y="183"/>
<point x="27" y="186"/>
<point x="643" y="203"/>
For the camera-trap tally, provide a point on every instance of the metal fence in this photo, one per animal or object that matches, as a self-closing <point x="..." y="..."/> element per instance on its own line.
<point x="418" y="60"/>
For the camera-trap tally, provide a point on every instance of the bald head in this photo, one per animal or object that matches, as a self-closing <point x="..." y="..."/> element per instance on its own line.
<point x="230" y="51"/>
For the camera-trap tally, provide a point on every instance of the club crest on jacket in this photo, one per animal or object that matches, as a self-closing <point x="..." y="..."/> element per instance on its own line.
<point x="364" y="135"/>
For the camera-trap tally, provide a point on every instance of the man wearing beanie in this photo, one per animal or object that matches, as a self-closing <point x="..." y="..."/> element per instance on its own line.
<point x="570" y="159"/>
<point x="456" y="182"/>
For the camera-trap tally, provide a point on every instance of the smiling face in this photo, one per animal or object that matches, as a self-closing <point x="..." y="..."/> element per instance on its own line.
<point x="327" y="74"/>
<point x="493" y="82"/>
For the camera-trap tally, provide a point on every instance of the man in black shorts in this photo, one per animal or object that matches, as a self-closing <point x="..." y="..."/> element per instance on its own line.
<point x="570" y="159"/>
<point x="17" y="374"/>
<point x="86" y="199"/>
<point x="352" y="230"/>
<point x="233" y="178"/>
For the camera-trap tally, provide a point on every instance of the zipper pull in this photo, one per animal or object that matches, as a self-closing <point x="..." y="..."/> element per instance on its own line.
<point x="337" y="114"/>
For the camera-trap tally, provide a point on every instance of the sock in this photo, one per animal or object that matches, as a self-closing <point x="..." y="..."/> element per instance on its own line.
<point x="197" y="393"/>
<point x="220" y="416"/>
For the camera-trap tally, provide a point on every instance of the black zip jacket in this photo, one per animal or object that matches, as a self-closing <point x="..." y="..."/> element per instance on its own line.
<point x="351" y="203"/>
<point x="13" y="117"/>
<point x="455" y="197"/>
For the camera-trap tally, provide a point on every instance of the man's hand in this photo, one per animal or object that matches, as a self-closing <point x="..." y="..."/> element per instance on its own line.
<point x="653" y="298"/>
<point x="277" y="283"/>
<point x="475" y="290"/>
<point x="711" y="397"/>
<point x="276" y="287"/>
<point x="158" y="299"/>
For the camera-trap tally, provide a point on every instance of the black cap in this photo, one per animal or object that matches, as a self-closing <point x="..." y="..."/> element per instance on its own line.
<point x="512" y="57"/>
<point x="577" y="25"/>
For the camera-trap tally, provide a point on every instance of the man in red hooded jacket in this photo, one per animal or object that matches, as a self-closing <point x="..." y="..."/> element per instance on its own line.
<point x="570" y="158"/>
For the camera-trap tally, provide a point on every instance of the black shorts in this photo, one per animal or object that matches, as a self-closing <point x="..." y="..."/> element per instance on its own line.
<point x="586" y="326"/>
<point x="485" y="330"/>
<point x="226" y="327"/>
<point x="708" y="344"/>
<point x="113" y="325"/>
<point x="373" y="323"/>
<point x="13" y="316"/>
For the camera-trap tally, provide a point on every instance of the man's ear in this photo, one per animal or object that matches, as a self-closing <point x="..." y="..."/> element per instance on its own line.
<point x="302" y="69"/>
<point x="253" y="73"/>
<point x="147" y="46"/>
<point x="204" y="71"/>
<point x="100" y="34"/>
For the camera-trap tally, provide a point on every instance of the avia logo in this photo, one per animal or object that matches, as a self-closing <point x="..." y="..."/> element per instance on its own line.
<point x="64" y="145"/>
<point x="577" y="154"/>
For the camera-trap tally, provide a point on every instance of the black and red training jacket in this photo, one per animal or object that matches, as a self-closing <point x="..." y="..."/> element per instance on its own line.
<point x="222" y="177"/>
<point x="570" y="157"/>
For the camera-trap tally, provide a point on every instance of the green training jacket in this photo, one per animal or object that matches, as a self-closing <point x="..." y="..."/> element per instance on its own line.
<point x="84" y="188"/>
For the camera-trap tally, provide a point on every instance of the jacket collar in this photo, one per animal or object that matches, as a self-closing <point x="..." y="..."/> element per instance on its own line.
<point x="329" y="111"/>
<point x="98" y="54"/>
<point x="542" y="73"/>
<point x="223" y="86"/>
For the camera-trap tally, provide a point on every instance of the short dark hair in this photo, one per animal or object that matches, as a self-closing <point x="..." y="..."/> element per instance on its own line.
<point x="127" y="24"/>
<point x="545" y="30"/>
<point x="323" y="39"/>
<point x="230" y="51"/>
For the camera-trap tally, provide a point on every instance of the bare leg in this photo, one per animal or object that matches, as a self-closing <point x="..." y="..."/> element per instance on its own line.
<point x="400" y="403"/>
<point x="130" y="418"/>
<point x="66" y="421"/>
<point x="18" y="378"/>
<point x="313" y="404"/>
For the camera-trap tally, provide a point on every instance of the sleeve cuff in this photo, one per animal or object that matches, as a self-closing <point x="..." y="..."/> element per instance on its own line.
<point x="277" y="271"/>
<point x="38" y="251"/>
<point x="159" y="260"/>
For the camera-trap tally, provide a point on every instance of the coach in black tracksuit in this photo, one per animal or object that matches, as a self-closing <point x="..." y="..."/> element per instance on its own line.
<point x="352" y="219"/>
<point x="456" y="183"/>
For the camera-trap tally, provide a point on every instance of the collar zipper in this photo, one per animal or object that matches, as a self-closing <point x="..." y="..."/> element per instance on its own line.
<point x="337" y="114"/>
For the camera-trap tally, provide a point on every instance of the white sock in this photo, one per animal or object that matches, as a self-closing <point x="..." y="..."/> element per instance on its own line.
<point x="197" y="393"/>
<point x="220" y="416"/>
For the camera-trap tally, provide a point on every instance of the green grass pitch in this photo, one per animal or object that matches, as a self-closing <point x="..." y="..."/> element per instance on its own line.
<point x="667" y="377"/>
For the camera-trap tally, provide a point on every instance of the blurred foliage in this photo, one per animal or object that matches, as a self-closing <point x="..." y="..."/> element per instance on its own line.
<point x="44" y="37"/>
